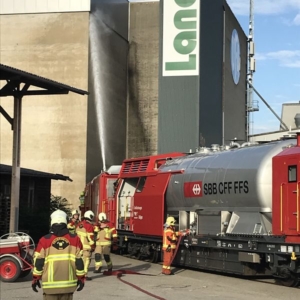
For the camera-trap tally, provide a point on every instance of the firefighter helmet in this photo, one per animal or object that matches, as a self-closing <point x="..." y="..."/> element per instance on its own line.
<point x="89" y="215"/>
<point x="58" y="217"/>
<point x="170" y="221"/>
<point x="102" y="217"/>
<point x="75" y="212"/>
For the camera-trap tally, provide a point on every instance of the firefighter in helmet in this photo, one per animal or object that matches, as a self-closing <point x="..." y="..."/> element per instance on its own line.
<point x="105" y="234"/>
<point x="170" y="239"/>
<point x="58" y="262"/>
<point x="74" y="221"/>
<point x="85" y="231"/>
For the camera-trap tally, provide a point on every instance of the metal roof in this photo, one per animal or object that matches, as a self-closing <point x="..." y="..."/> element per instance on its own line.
<point x="6" y="170"/>
<point x="14" y="77"/>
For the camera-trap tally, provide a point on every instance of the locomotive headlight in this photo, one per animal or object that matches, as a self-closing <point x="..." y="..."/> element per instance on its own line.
<point x="283" y="248"/>
<point x="290" y="249"/>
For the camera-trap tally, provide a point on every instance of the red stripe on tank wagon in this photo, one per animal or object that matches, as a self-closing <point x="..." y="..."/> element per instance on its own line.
<point x="193" y="189"/>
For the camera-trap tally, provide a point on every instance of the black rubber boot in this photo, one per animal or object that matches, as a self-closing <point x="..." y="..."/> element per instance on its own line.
<point x="97" y="271"/>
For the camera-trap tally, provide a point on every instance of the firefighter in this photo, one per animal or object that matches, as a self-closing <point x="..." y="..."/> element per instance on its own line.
<point x="74" y="221"/>
<point x="170" y="239"/>
<point x="104" y="235"/>
<point x="85" y="231"/>
<point x="58" y="262"/>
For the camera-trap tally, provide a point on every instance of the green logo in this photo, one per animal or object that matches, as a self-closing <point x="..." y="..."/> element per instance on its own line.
<point x="180" y="41"/>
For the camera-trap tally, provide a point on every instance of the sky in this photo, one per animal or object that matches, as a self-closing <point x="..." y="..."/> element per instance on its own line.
<point x="277" y="55"/>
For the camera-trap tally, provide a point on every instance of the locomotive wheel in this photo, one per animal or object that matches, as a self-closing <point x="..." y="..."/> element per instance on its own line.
<point x="10" y="269"/>
<point x="153" y="258"/>
<point x="290" y="279"/>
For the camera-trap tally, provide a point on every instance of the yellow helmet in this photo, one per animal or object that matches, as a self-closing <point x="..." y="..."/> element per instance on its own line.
<point x="102" y="217"/>
<point x="170" y="221"/>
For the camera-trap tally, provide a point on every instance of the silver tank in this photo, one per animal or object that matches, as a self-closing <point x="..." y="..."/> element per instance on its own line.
<point x="233" y="180"/>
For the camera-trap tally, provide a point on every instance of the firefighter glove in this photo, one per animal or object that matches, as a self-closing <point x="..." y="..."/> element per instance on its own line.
<point x="35" y="283"/>
<point x="168" y="249"/>
<point x="80" y="284"/>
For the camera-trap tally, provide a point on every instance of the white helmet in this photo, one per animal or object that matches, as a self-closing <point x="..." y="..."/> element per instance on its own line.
<point x="89" y="215"/>
<point x="102" y="217"/>
<point x="58" y="217"/>
<point x="75" y="212"/>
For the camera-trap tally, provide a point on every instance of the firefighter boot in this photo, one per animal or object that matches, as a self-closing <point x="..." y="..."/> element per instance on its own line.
<point x="97" y="271"/>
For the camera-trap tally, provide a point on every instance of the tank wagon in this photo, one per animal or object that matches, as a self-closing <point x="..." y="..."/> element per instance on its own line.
<point x="241" y="204"/>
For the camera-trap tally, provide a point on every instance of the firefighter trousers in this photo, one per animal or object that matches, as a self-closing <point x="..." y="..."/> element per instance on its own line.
<point x="86" y="256"/>
<point x="166" y="268"/>
<point x="58" y="296"/>
<point x="105" y="251"/>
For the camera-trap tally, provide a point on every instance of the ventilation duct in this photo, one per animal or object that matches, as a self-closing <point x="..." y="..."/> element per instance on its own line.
<point x="297" y="120"/>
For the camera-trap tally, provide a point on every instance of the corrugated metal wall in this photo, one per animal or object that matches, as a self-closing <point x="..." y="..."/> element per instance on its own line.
<point x="178" y="101"/>
<point x="211" y="73"/>
<point x="200" y="108"/>
<point x="234" y="94"/>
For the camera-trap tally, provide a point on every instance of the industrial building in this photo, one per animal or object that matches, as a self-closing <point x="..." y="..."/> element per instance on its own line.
<point x="154" y="85"/>
<point x="288" y="126"/>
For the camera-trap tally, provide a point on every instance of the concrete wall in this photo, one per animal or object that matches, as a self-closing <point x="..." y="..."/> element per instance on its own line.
<point x="43" y="6"/>
<point x="288" y="113"/>
<point x="108" y="54"/>
<point x="54" y="46"/>
<point x="143" y="60"/>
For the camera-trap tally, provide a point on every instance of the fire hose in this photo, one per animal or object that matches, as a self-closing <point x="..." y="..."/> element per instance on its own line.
<point x="119" y="274"/>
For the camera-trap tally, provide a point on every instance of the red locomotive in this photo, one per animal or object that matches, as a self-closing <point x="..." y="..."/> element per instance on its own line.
<point x="242" y="205"/>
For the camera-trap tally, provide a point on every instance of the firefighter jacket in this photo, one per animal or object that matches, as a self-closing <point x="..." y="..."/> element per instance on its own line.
<point x="72" y="225"/>
<point x="57" y="260"/>
<point x="170" y="238"/>
<point x="85" y="231"/>
<point x="104" y="234"/>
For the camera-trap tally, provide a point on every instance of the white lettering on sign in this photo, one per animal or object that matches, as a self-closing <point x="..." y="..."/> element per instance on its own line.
<point x="137" y="208"/>
<point x="196" y="189"/>
<point x="181" y="37"/>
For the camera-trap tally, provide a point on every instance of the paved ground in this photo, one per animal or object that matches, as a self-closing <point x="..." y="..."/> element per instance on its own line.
<point x="186" y="284"/>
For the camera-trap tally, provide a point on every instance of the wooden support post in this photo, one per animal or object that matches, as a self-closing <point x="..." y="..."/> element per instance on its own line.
<point x="15" y="176"/>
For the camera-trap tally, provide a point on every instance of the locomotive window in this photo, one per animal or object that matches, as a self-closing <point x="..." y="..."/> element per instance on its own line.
<point x="141" y="184"/>
<point x="292" y="173"/>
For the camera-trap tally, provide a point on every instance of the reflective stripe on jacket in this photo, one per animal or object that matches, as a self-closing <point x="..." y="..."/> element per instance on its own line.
<point x="170" y="238"/>
<point x="85" y="231"/>
<point x="104" y="234"/>
<point x="58" y="260"/>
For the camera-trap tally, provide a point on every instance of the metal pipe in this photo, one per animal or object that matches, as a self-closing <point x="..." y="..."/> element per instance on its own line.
<point x="260" y="96"/>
